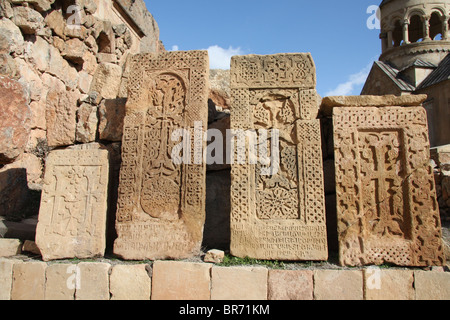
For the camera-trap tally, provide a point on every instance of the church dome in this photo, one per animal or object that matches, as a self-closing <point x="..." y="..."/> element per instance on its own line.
<point x="414" y="29"/>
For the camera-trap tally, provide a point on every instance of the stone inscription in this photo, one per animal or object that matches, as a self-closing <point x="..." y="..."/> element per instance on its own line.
<point x="280" y="215"/>
<point x="386" y="197"/>
<point x="72" y="217"/>
<point x="161" y="203"/>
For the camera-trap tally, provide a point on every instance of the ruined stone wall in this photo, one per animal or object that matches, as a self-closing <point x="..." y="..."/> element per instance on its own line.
<point x="63" y="78"/>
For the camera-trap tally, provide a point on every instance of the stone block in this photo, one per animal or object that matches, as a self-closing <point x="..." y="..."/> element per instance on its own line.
<point x="93" y="281"/>
<point x="329" y="103"/>
<point x="6" y="276"/>
<point x="87" y="123"/>
<point x="10" y="247"/>
<point x="239" y="283"/>
<point x="11" y="38"/>
<point x="386" y="196"/>
<point x="214" y="256"/>
<point x="72" y="217"/>
<point x="388" y="284"/>
<point x="338" y="285"/>
<point x="181" y="281"/>
<point x="28" y="281"/>
<point x="432" y="285"/>
<point x="61" y="117"/>
<point x="106" y="80"/>
<point x="111" y="117"/>
<point x="130" y="282"/>
<point x="291" y="285"/>
<point x="27" y="19"/>
<point x="161" y="210"/>
<point x="277" y="204"/>
<point x="15" y="120"/>
<point x="61" y="282"/>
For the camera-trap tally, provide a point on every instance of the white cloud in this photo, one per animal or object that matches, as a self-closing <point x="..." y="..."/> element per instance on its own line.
<point x="175" y="48"/>
<point x="355" y="80"/>
<point x="219" y="58"/>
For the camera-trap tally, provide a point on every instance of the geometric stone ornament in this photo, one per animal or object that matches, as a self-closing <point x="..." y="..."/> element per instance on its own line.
<point x="72" y="216"/>
<point x="161" y="203"/>
<point x="277" y="214"/>
<point x="386" y="198"/>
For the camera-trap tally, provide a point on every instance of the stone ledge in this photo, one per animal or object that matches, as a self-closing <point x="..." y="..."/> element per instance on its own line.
<point x="328" y="103"/>
<point x="170" y="280"/>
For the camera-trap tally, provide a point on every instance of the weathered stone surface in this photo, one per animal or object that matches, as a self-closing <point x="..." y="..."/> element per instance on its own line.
<point x="338" y="285"/>
<point x="388" y="284"/>
<point x="239" y="283"/>
<point x="290" y="285"/>
<point x="14" y="121"/>
<point x="28" y="281"/>
<point x="111" y="116"/>
<point x="181" y="281"/>
<point x="386" y="199"/>
<point x="72" y="217"/>
<point x="432" y="285"/>
<point x="6" y="272"/>
<point x="94" y="281"/>
<point x="61" y="117"/>
<point x="61" y="282"/>
<point x="214" y="256"/>
<point x="74" y="51"/>
<point x="277" y="212"/>
<point x="31" y="247"/>
<point x="10" y="247"/>
<point x="11" y="39"/>
<point x="220" y="92"/>
<point x="106" y="80"/>
<point x="87" y="123"/>
<point x="56" y="22"/>
<point x="130" y="283"/>
<point x="27" y="19"/>
<point x="40" y="5"/>
<point x="161" y="209"/>
<point x="29" y="79"/>
<point x="328" y="103"/>
<point x="40" y="54"/>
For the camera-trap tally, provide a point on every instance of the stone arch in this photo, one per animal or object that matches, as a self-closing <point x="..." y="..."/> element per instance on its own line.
<point x="436" y="25"/>
<point x="416" y="28"/>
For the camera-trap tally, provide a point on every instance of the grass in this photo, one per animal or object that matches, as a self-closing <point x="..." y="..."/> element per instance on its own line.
<point x="230" y="261"/>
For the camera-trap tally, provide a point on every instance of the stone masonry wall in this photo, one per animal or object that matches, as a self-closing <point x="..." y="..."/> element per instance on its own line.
<point x="68" y="62"/>
<point x="20" y="280"/>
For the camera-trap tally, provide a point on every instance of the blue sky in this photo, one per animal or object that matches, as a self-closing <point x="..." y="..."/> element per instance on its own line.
<point x="335" y="32"/>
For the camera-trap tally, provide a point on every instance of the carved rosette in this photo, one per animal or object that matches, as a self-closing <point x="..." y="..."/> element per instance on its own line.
<point x="282" y="215"/>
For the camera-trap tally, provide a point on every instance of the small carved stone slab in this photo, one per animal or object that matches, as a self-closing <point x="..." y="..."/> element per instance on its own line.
<point x="279" y="216"/>
<point x="161" y="205"/>
<point x="386" y="197"/>
<point x="72" y="216"/>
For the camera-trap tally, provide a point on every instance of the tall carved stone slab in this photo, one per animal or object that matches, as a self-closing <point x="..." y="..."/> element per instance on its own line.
<point x="278" y="214"/>
<point x="161" y="205"/>
<point x="386" y="197"/>
<point x="72" y="216"/>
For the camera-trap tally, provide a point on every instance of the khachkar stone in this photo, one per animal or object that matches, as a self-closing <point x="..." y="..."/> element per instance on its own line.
<point x="277" y="212"/>
<point x="386" y="197"/>
<point x="72" y="216"/>
<point x="161" y="205"/>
